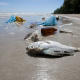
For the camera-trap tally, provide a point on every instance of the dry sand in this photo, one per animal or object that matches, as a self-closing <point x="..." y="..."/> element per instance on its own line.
<point x="16" y="64"/>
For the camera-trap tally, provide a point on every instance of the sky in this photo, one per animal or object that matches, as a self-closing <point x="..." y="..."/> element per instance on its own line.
<point x="29" y="6"/>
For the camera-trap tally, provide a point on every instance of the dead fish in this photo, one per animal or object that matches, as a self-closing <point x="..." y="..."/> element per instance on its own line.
<point x="51" y="48"/>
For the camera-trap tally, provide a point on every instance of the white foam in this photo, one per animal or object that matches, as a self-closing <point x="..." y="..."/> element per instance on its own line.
<point x="64" y="19"/>
<point x="6" y="28"/>
<point x="12" y="33"/>
<point x="66" y="24"/>
<point x="72" y="18"/>
<point x="1" y="25"/>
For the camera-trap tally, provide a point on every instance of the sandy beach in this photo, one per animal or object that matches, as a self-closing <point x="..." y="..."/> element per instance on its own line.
<point x="16" y="64"/>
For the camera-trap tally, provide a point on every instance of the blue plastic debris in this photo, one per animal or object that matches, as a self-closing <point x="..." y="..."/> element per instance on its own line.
<point x="52" y="21"/>
<point x="11" y="19"/>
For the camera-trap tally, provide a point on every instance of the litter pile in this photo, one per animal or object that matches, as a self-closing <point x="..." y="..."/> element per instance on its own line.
<point x="45" y="47"/>
<point x="52" y="21"/>
<point x="15" y="19"/>
<point x="44" y="31"/>
<point x="48" y="47"/>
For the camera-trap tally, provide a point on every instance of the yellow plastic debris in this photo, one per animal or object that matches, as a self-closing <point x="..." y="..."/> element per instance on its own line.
<point x="19" y="19"/>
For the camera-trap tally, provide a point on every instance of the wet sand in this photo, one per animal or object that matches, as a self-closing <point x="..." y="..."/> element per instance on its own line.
<point x="16" y="64"/>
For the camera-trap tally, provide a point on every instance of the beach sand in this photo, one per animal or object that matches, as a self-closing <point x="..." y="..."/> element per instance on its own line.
<point x="16" y="64"/>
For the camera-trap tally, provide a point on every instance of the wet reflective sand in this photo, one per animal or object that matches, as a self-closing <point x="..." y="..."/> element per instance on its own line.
<point x="17" y="64"/>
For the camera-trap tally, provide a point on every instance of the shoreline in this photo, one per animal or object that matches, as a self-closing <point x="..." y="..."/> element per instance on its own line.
<point x="70" y="16"/>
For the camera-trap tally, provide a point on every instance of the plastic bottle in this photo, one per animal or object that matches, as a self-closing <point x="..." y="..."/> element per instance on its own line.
<point x="48" y="31"/>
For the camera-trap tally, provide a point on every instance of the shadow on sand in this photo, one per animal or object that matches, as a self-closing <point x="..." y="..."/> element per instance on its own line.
<point x="45" y="56"/>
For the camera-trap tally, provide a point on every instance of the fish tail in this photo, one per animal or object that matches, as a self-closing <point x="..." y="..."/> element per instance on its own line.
<point x="77" y="50"/>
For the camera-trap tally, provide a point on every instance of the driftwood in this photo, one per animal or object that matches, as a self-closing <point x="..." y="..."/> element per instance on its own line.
<point x="62" y="31"/>
<point x="33" y="25"/>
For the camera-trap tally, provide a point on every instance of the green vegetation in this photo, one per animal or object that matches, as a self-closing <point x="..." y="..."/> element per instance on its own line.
<point x="69" y="7"/>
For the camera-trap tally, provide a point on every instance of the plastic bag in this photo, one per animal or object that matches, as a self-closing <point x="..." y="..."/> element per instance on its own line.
<point x="11" y="19"/>
<point x="50" y="22"/>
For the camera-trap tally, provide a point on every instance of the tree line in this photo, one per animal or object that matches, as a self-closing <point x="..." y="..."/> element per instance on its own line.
<point x="69" y="7"/>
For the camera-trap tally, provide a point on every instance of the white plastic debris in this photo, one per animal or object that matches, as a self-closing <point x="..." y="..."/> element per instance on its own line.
<point x="69" y="24"/>
<point x="34" y="36"/>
